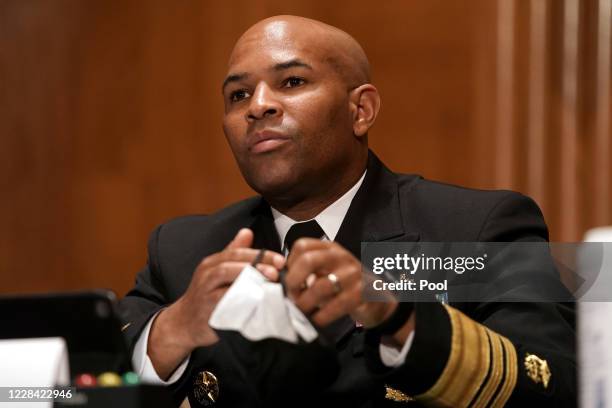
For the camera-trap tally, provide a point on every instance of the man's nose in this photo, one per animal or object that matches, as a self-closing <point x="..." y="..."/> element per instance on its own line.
<point x="263" y="104"/>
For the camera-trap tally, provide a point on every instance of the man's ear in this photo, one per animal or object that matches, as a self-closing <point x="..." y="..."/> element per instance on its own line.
<point x="365" y="104"/>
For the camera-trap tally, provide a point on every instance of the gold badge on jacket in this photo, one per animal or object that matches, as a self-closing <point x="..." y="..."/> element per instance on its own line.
<point x="206" y="388"/>
<point x="537" y="369"/>
<point x="396" y="395"/>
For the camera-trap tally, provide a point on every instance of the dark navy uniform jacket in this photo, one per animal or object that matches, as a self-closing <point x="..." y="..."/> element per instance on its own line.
<point x="487" y="353"/>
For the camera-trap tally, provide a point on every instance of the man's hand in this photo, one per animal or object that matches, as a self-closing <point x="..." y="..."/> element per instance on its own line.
<point x="183" y="326"/>
<point x="325" y="301"/>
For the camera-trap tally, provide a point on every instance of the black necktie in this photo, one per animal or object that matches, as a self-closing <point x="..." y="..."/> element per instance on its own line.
<point x="310" y="229"/>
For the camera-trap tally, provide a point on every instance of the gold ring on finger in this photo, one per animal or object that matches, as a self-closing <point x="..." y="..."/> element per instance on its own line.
<point x="335" y="282"/>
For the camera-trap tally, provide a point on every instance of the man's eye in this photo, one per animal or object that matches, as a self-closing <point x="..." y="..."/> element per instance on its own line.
<point x="292" y="82"/>
<point x="238" y="95"/>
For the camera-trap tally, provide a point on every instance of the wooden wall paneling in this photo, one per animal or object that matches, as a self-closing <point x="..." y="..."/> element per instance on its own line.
<point x="550" y="80"/>
<point x="587" y="101"/>
<point x="505" y="152"/>
<point x="569" y="122"/>
<point x="35" y="147"/>
<point x="424" y="125"/>
<point x="536" y="102"/>
<point x="602" y="198"/>
<point x="523" y="98"/>
<point x="483" y="77"/>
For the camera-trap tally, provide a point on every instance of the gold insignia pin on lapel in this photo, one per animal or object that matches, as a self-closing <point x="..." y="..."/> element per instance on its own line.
<point x="396" y="395"/>
<point x="537" y="369"/>
<point x="206" y="388"/>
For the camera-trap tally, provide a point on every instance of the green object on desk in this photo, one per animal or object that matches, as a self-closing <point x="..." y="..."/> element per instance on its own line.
<point x="130" y="378"/>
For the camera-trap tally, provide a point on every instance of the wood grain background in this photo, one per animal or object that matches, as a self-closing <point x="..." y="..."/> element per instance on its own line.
<point x="110" y="115"/>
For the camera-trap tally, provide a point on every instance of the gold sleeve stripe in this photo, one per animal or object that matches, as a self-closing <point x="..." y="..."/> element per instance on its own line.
<point x="435" y="395"/>
<point x="511" y="374"/>
<point x="497" y="371"/>
<point x="467" y="366"/>
<point x="476" y="363"/>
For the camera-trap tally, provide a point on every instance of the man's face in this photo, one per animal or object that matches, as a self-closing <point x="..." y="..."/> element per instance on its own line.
<point x="287" y="116"/>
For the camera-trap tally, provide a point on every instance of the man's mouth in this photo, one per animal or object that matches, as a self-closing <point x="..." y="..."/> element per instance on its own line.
<point x="266" y="141"/>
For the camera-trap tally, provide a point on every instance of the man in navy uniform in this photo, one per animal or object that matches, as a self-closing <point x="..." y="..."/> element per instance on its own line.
<point x="298" y="107"/>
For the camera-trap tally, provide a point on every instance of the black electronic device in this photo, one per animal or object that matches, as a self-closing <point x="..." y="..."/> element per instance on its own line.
<point x="86" y="320"/>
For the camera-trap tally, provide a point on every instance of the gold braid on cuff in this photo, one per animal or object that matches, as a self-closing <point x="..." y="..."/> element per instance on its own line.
<point x="475" y="351"/>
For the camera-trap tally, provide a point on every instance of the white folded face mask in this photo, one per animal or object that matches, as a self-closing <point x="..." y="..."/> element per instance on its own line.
<point x="258" y="309"/>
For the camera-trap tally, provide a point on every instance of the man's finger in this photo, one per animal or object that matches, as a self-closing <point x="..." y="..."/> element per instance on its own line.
<point x="223" y="274"/>
<point x="323" y="290"/>
<point x="333" y="304"/>
<point x="218" y="293"/>
<point x="243" y="239"/>
<point x="244" y="255"/>
<point x="317" y="261"/>
<point x="268" y="271"/>
<point x="342" y="304"/>
<point x="303" y="245"/>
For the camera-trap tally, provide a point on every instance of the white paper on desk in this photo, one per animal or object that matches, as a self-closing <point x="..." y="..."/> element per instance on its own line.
<point x="258" y="309"/>
<point x="595" y="357"/>
<point x="39" y="362"/>
<point x="594" y="331"/>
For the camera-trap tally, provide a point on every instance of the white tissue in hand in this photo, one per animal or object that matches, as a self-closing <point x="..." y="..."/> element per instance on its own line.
<point x="258" y="309"/>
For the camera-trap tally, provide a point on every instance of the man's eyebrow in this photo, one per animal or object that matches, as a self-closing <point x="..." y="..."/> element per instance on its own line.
<point x="291" y="64"/>
<point x="234" y="78"/>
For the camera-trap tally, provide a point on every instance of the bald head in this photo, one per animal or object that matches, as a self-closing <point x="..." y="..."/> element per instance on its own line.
<point x="332" y="45"/>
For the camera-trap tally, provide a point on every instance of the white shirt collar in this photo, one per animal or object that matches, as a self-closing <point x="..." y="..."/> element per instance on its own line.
<point x="329" y="219"/>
